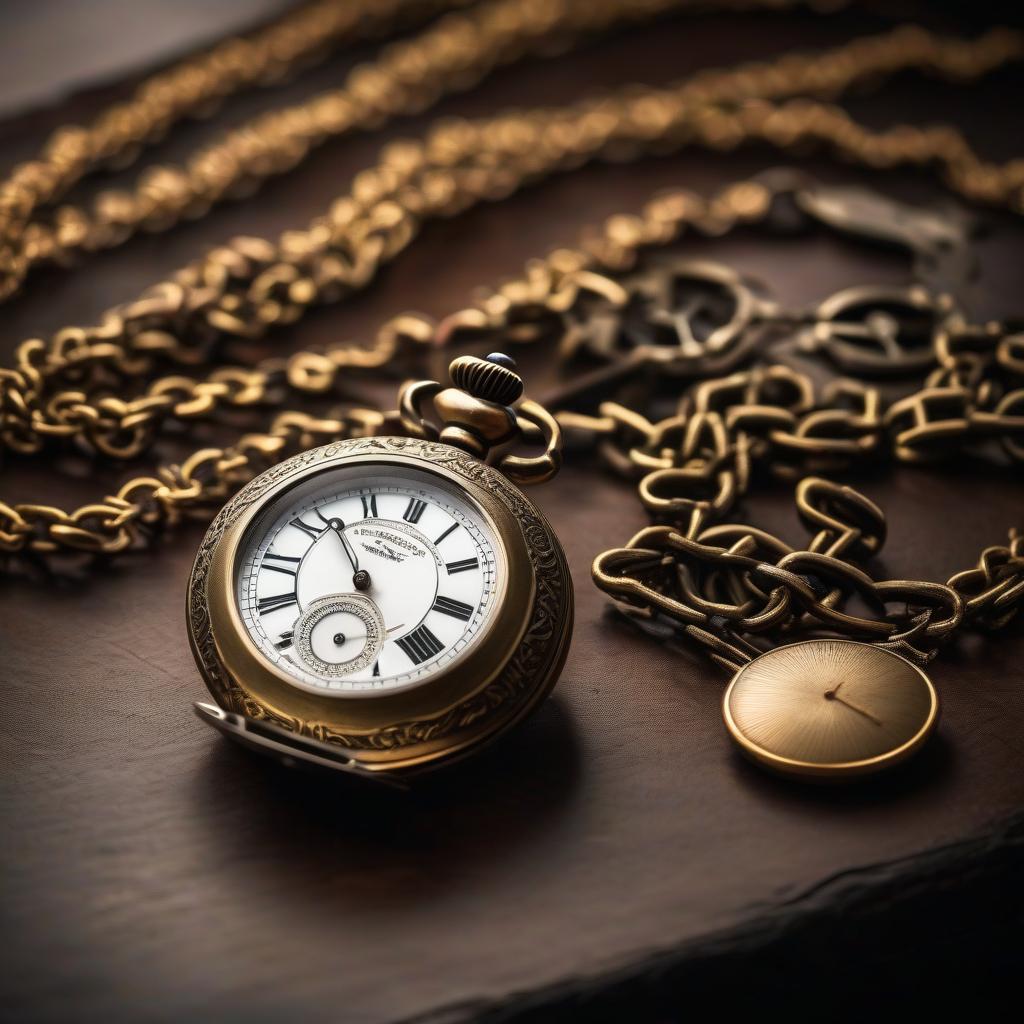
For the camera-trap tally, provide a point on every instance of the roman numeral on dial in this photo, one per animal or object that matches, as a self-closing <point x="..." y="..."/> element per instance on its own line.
<point x="462" y="566"/>
<point x="271" y="604"/>
<point x="284" y="641"/>
<point x="369" y="506"/>
<point x="269" y="560"/>
<point x="456" y="609"/>
<point x="310" y="531"/>
<point x="414" y="510"/>
<point x="451" y="529"/>
<point x="420" y="644"/>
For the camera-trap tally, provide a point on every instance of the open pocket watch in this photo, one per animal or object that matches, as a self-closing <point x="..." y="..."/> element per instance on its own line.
<point x="386" y="604"/>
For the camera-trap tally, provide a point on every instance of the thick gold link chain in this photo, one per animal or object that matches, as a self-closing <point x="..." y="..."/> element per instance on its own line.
<point x="408" y="77"/>
<point x="249" y="286"/>
<point x="717" y="580"/>
<point x="192" y="88"/>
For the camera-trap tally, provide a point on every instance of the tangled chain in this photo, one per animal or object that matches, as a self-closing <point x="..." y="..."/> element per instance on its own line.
<point x="719" y="579"/>
<point x="98" y="388"/>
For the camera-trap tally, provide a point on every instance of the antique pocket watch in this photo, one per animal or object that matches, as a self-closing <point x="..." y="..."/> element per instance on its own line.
<point x="384" y="604"/>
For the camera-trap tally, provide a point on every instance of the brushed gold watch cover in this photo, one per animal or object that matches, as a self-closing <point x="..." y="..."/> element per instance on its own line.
<point x="830" y="708"/>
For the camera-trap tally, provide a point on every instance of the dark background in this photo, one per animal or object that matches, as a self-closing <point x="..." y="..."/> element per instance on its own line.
<point x="613" y="857"/>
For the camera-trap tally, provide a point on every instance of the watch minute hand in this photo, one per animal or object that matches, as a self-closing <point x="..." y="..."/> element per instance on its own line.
<point x="860" y="711"/>
<point x="360" y="577"/>
<point x="339" y="527"/>
<point x="833" y="694"/>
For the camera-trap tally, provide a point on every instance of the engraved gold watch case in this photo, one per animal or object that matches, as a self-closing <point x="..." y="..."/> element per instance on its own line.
<point x="494" y="684"/>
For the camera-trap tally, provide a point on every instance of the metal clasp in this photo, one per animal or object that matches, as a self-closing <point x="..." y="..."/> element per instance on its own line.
<point x="290" y="748"/>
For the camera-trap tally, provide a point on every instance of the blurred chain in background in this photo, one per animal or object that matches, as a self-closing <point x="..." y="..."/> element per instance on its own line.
<point x="410" y="76"/>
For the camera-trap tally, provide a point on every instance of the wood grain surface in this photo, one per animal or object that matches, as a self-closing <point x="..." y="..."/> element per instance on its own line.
<point x="152" y="871"/>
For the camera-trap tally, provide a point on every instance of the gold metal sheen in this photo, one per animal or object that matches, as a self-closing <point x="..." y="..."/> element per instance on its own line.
<point x="501" y="677"/>
<point x="829" y="709"/>
<point x="824" y="707"/>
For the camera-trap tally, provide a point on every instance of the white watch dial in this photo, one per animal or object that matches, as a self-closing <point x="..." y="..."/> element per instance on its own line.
<point x="369" y="578"/>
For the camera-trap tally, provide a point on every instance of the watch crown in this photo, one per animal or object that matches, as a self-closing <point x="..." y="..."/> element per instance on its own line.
<point x="492" y="379"/>
<point x="476" y="415"/>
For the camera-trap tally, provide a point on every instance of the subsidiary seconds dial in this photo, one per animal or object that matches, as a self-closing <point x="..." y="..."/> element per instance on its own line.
<point x="374" y="581"/>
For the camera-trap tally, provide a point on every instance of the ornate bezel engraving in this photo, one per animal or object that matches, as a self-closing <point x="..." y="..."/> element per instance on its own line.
<point x="470" y="703"/>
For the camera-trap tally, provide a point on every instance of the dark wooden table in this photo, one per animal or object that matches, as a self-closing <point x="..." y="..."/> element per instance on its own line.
<point x="614" y="856"/>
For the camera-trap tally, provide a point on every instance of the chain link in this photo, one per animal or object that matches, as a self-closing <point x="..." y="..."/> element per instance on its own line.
<point x="193" y="88"/>
<point x="408" y="77"/>
<point x="610" y="301"/>
<point x="242" y="290"/>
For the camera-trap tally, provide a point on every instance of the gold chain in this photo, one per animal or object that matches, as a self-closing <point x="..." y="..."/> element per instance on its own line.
<point x="695" y="569"/>
<point x="712" y="578"/>
<point x="720" y="580"/>
<point x="408" y="77"/>
<point x="192" y="88"/>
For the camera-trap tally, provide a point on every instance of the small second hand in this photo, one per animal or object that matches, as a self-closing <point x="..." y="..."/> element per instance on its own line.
<point x="362" y="636"/>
